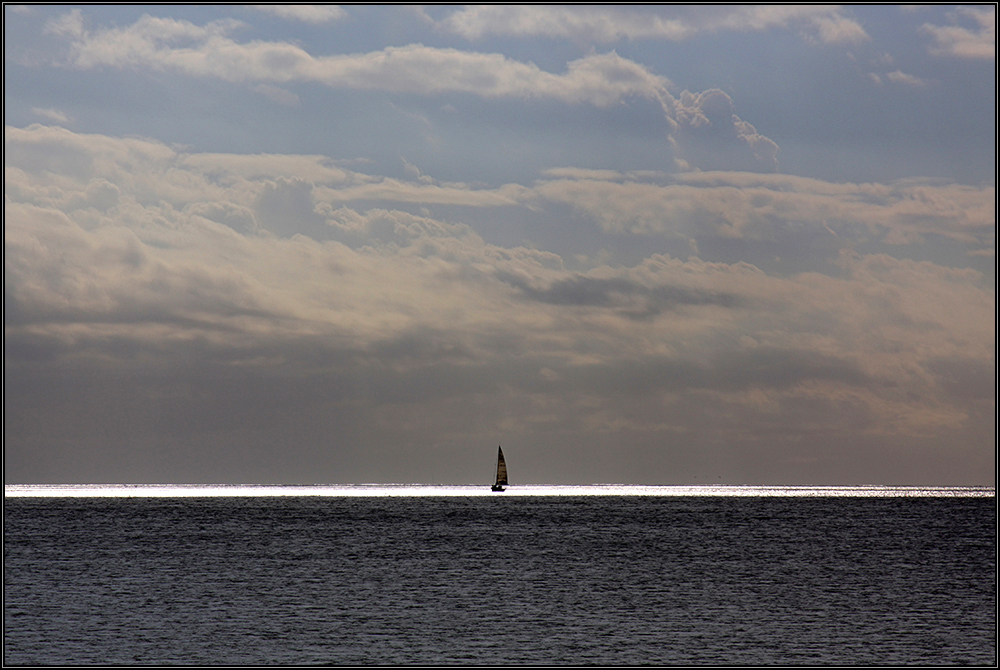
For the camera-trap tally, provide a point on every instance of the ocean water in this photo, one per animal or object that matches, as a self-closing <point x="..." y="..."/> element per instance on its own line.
<point x="400" y="575"/>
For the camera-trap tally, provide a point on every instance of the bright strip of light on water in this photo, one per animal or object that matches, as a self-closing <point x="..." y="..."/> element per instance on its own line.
<point x="420" y="490"/>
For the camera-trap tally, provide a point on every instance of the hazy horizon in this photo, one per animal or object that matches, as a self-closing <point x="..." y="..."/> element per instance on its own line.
<point x="648" y="245"/>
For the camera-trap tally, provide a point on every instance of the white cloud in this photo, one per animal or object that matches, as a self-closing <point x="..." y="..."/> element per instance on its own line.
<point x="609" y="24"/>
<point x="51" y="114"/>
<point x="231" y="169"/>
<point x="978" y="42"/>
<point x="54" y="167"/>
<point x="901" y="77"/>
<point x="601" y="24"/>
<point x="68" y="25"/>
<point x="599" y="79"/>
<point x="759" y="206"/>
<point x="395" y="190"/>
<point x="315" y="14"/>
<point x="277" y="94"/>
<point x="705" y="130"/>
<point x="710" y="136"/>
<point x="839" y="30"/>
<point x="581" y="173"/>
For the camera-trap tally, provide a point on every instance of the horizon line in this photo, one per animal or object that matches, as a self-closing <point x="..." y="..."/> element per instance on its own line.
<point x="452" y="490"/>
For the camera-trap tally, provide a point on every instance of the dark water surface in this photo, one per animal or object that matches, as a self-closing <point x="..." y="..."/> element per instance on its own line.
<point x="504" y="580"/>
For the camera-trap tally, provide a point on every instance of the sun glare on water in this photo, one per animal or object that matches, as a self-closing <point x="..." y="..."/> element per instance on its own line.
<point x="421" y="490"/>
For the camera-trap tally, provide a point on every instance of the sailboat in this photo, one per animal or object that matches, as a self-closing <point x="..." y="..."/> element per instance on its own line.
<point x="501" y="471"/>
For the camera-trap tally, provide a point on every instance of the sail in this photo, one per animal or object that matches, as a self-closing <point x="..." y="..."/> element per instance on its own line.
<point x="501" y="469"/>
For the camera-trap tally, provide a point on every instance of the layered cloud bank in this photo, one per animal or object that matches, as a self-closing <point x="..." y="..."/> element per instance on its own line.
<point x="632" y="244"/>
<point x="364" y="317"/>
<point x="746" y="205"/>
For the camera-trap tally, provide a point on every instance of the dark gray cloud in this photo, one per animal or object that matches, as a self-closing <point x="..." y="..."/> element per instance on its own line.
<point x="628" y="298"/>
<point x="372" y="419"/>
<point x="769" y="369"/>
<point x="965" y="378"/>
<point x="286" y="207"/>
<point x="782" y="369"/>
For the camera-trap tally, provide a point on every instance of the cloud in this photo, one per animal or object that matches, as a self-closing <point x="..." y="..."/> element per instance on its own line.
<point x="702" y="127"/>
<point x="598" y="24"/>
<point x="315" y="14"/>
<point x="710" y="136"/>
<point x="395" y="190"/>
<point x="80" y="171"/>
<point x="226" y="289"/>
<point x="609" y="24"/>
<point x="836" y="29"/>
<point x="66" y="25"/>
<point x="626" y="297"/>
<point x="599" y="79"/>
<point x="278" y="95"/>
<point x="769" y="207"/>
<point x="978" y="42"/>
<point x="583" y="173"/>
<point x="900" y="77"/>
<point x="51" y="114"/>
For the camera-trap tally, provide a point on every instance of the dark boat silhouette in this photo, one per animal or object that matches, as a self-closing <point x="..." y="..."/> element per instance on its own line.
<point x="501" y="471"/>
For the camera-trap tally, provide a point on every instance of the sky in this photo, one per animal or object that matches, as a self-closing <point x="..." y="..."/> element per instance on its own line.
<point x="638" y="245"/>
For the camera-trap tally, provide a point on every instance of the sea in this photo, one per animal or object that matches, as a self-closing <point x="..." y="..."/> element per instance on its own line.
<point x="458" y="575"/>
